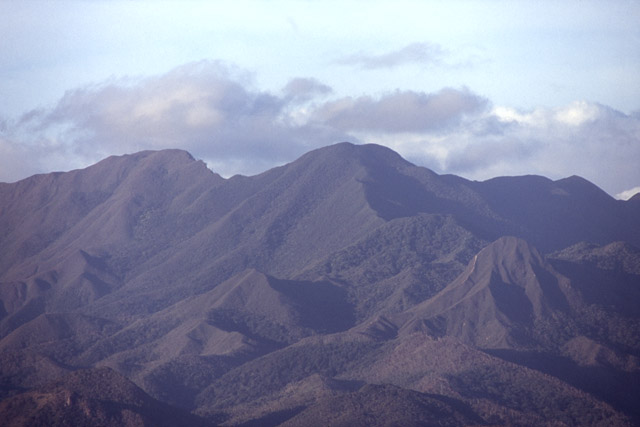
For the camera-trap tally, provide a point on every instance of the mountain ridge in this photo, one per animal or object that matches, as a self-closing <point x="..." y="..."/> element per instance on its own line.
<point x="350" y="275"/>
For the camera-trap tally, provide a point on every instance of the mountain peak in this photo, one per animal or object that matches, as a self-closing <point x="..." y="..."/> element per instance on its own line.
<point x="508" y="260"/>
<point x="343" y="153"/>
<point x="169" y="160"/>
<point x="583" y="188"/>
<point x="511" y="249"/>
<point x="166" y="153"/>
<point x="497" y="299"/>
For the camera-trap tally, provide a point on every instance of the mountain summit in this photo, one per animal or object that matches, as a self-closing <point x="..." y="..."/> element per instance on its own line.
<point x="347" y="282"/>
<point x="500" y="300"/>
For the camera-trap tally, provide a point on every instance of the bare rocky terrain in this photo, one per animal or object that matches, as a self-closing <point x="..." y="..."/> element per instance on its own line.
<point x="349" y="287"/>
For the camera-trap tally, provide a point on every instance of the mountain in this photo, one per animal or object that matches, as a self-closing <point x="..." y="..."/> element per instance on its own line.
<point x="346" y="286"/>
<point x="506" y="298"/>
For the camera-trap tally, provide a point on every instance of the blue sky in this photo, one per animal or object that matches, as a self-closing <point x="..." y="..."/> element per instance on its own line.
<point x="476" y="88"/>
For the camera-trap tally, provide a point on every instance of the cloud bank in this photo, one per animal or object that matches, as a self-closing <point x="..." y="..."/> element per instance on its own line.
<point x="219" y="116"/>
<point x="405" y="111"/>
<point x="203" y="107"/>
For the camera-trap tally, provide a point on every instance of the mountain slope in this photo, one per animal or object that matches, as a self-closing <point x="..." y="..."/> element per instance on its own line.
<point x="92" y="397"/>
<point x="376" y="405"/>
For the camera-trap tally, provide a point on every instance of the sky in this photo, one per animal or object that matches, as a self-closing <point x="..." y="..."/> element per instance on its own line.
<point x="474" y="88"/>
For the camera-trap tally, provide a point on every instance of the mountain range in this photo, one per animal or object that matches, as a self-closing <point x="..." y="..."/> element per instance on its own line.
<point x="349" y="287"/>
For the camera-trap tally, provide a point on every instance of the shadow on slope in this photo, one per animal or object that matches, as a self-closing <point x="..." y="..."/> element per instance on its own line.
<point x="263" y="307"/>
<point x="617" y="387"/>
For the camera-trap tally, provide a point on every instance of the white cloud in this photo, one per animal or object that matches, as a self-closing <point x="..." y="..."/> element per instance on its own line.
<point x="511" y="115"/>
<point x="586" y="139"/>
<point x="202" y="107"/>
<point x="414" y="53"/>
<point x="627" y="194"/>
<point x="577" y="113"/>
